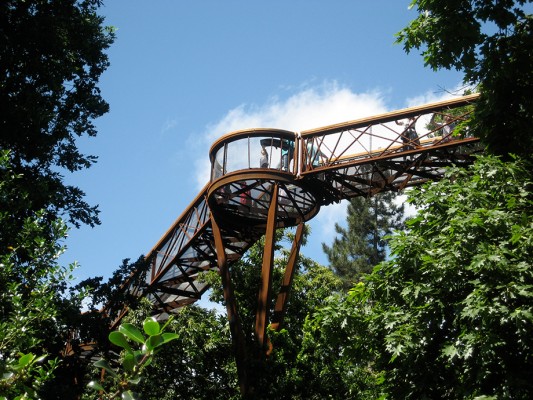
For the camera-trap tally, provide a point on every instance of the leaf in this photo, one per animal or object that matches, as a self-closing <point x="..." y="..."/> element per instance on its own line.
<point x="153" y="342"/>
<point x="26" y="359"/>
<point x="39" y="359"/>
<point x="105" y="365"/>
<point x="167" y="337"/>
<point x="129" y="395"/>
<point x="95" y="386"/>
<point x="132" y="332"/>
<point x="129" y="362"/>
<point x="450" y="351"/>
<point x="117" y="338"/>
<point x="151" y="326"/>
<point x="148" y="361"/>
<point x="135" y="381"/>
<point x="6" y="376"/>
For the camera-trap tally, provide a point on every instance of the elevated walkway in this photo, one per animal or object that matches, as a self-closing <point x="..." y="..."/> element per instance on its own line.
<point x="263" y="179"/>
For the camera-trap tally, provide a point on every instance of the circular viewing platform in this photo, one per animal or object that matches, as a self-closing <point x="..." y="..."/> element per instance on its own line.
<point x="247" y="168"/>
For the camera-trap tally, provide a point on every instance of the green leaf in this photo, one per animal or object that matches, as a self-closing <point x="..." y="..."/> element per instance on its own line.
<point x="148" y="361"/>
<point x="154" y="341"/>
<point x="167" y="337"/>
<point x="95" y="386"/>
<point x="129" y="395"/>
<point x="117" y="338"/>
<point x="7" y="375"/>
<point x="151" y="326"/>
<point x="450" y="351"/>
<point x="26" y="359"/>
<point x="132" y="332"/>
<point x="129" y="362"/>
<point x="39" y="359"/>
<point x="135" y="381"/>
<point x="105" y="365"/>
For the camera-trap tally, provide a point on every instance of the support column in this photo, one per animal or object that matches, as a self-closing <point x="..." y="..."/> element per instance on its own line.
<point x="283" y="295"/>
<point x="261" y="316"/>
<point x="231" y="309"/>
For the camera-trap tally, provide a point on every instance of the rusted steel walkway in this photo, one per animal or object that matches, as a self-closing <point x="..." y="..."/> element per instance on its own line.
<point x="301" y="171"/>
<point x="264" y="179"/>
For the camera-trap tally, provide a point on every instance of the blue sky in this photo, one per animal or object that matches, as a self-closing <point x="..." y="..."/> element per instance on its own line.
<point x="184" y="73"/>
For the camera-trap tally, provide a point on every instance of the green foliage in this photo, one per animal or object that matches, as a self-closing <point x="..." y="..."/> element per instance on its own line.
<point x="337" y="351"/>
<point x="199" y="363"/>
<point x="491" y="43"/>
<point x="281" y="374"/>
<point x="32" y="302"/>
<point x="51" y="57"/>
<point x="93" y="325"/>
<point x="362" y="244"/>
<point x="135" y="357"/>
<point x="451" y="314"/>
<point x="22" y="378"/>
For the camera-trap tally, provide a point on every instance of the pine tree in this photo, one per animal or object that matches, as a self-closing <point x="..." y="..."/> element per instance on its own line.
<point x="362" y="245"/>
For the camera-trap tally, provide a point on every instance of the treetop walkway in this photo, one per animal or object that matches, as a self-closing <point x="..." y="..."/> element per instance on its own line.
<point x="263" y="179"/>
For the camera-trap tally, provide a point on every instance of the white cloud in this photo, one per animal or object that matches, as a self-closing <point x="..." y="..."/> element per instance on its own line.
<point x="312" y="107"/>
<point x="322" y="105"/>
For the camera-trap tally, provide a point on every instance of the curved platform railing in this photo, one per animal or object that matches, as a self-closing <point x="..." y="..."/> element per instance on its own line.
<point x="302" y="171"/>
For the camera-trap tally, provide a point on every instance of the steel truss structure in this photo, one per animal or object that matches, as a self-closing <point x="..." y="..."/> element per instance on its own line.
<point x="264" y="179"/>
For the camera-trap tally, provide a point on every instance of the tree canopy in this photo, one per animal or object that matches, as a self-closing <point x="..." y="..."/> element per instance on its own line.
<point x="201" y="362"/>
<point x="450" y="314"/>
<point x="35" y="307"/>
<point x="52" y="54"/>
<point x="491" y="42"/>
<point x="362" y="245"/>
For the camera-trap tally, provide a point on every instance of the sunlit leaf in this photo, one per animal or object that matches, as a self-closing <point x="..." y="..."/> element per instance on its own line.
<point x="117" y="338"/>
<point x="132" y="332"/>
<point x="128" y="395"/>
<point x="151" y="326"/>
<point x="95" y="386"/>
<point x="154" y="341"/>
<point x="26" y="359"/>
<point x="167" y="337"/>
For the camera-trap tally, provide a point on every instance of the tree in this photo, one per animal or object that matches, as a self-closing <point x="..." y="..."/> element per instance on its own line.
<point x="200" y="363"/>
<point x="491" y="43"/>
<point x="450" y="315"/>
<point x="51" y="57"/>
<point x="34" y="307"/>
<point x="279" y="375"/>
<point x="138" y="350"/>
<point x="362" y="244"/>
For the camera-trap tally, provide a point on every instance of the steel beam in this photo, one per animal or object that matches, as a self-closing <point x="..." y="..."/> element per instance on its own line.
<point x="283" y="295"/>
<point x="231" y="308"/>
<point x="261" y="316"/>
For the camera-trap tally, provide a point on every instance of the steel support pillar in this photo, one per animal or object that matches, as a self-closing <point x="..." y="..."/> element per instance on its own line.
<point x="231" y="309"/>
<point x="283" y="295"/>
<point x="261" y="316"/>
